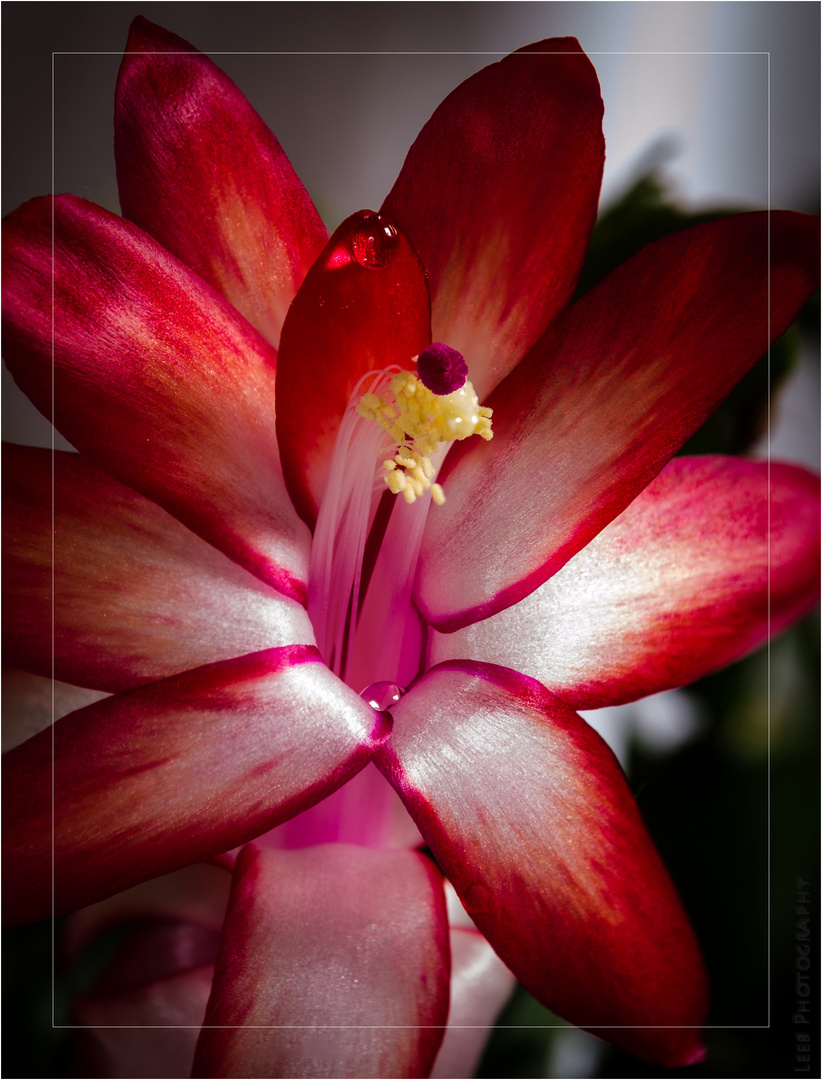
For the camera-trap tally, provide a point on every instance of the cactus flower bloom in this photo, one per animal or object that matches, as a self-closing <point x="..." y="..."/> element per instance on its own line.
<point x="246" y="557"/>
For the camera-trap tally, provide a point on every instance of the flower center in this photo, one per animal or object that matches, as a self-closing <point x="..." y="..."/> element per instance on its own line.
<point x="395" y="433"/>
<point x="436" y="405"/>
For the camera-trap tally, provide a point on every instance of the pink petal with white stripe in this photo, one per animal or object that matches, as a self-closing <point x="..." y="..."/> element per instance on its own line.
<point x="174" y="772"/>
<point x="498" y="195"/>
<point x="529" y="815"/>
<point x="198" y="169"/>
<point x="334" y="964"/>
<point x="715" y="555"/>
<point x="480" y="986"/>
<point x="145" y="1031"/>
<point x="113" y="591"/>
<point x="586" y="422"/>
<point x="154" y="376"/>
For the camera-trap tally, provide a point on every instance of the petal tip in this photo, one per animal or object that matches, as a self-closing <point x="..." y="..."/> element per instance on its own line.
<point x="146" y="36"/>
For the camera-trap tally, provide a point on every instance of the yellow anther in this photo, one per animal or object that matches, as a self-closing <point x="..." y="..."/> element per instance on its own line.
<point x="417" y="420"/>
<point x="396" y="482"/>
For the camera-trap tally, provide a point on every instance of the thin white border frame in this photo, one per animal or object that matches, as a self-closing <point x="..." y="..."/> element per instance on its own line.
<point x="499" y="55"/>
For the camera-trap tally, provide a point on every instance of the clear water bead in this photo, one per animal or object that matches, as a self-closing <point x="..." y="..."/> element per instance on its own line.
<point x="382" y="695"/>
<point x="375" y="241"/>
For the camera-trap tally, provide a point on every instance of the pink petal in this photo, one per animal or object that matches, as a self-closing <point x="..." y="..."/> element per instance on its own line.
<point x="366" y="811"/>
<point x="150" y="950"/>
<point x="199" y="170"/>
<point x="175" y="772"/>
<point x="498" y="195"/>
<point x="334" y="963"/>
<point x="529" y="816"/>
<point x="582" y="426"/>
<point x="113" y="590"/>
<point x="144" y="1012"/>
<point x="362" y="307"/>
<point x="146" y="1031"/>
<point x="480" y="986"/>
<point x="153" y="376"/>
<point x="196" y="894"/>
<point x="715" y="555"/>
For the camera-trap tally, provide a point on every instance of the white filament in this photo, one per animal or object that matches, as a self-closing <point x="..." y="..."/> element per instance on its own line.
<point x="387" y="621"/>
<point x="347" y="512"/>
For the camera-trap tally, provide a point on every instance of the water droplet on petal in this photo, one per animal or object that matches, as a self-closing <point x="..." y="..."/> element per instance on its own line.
<point x="476" y="898"/>
<point x="375" y="242"/>
<point x="382" y="695"/>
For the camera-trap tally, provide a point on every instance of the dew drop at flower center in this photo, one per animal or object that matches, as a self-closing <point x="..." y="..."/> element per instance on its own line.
<point x="382" y="695"/>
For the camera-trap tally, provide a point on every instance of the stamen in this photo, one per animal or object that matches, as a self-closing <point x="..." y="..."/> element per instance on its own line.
<point x="441" y="368"/>
<point x="394" y="420"/>
<point x="346" y="514"/>
<point x="417" y="419"/>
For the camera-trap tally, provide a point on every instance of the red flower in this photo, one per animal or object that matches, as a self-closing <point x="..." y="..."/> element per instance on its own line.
<point x="569" y="550"/>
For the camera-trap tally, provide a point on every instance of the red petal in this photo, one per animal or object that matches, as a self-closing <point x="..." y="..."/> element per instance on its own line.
<point x="528" y="814"/>
<point x="113" y="591"/>
<point x="176" y="772"/>
<point x="580" y="429"/>
<point x="334" y="963"/>
<point x="199" y="170"/>
<point x="153" y="376"/>
<point x="715" y="555"/>
<point x="498" y="195"/>
<point x="362" y="307"/>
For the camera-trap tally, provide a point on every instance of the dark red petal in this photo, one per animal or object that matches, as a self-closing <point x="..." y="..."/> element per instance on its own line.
<point x="498" y="195"/>
<point x="581" y="427"/>
<point x="198" y="169"/>
<point x="362" y="307"/>
<point x="529" y="815"/>
<point x="712" y="557"/>
<point x="106" y="589"/>
<point x="154" y="376"/>
<point x="174" y="772"/>
<point x="334" y="963"/>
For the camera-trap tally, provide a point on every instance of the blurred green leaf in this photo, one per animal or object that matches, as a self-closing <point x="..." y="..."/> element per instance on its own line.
<point x="644" y="214"/>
